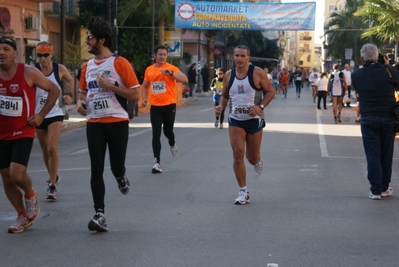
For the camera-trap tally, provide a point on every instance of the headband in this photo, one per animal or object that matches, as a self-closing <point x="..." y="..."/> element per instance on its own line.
<point x="8" y="40"/>
<point x="43" y="48"/>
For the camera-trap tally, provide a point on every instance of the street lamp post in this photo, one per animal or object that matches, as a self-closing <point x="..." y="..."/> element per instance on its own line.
<point x="153" y="30"/>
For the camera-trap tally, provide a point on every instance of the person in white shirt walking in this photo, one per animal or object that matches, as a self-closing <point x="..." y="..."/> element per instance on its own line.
<point x="322" y="90"/>
<point x="347" y="72"/>
<point x="313" y="78"/>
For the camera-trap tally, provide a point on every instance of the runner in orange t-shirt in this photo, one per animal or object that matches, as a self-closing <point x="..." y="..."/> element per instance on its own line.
<point x="284" y="77"/>
<point x="161" y="78"/>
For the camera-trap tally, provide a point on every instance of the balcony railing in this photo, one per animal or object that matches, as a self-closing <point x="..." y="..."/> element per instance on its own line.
<point x="72" y="8"/>
<point x="305" y="38"/>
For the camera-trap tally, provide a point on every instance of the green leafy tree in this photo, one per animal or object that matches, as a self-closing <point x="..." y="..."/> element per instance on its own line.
<point x="344" y="30"/>
<point x="383" y="16"/>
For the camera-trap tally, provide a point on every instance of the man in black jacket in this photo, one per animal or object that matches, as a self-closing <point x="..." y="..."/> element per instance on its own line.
<point x="375" y="84"/>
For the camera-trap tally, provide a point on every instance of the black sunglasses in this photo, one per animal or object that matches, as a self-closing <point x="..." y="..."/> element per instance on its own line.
<point x="39" y="55"/>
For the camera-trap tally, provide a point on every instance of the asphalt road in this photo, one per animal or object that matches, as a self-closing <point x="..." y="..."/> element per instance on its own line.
<point x="309" y="208"/>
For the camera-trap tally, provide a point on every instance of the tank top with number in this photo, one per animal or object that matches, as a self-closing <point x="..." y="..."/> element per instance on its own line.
<point x="17" y="104"/>
<point x="162" y="87"/>
<point x="41" y="95"/>
<point x="101" y="102"/>
<point x="243" y="94"/>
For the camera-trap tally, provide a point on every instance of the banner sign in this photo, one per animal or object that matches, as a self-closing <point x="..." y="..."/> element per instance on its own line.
<point x="245" y="16"/>
<point x="173" y="43"/>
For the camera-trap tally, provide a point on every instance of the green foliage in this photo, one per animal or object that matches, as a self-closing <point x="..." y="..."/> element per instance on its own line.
<point x="383" y="16"/>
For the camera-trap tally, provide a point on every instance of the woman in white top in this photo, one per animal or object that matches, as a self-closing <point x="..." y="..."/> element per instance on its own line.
<point x="322" y="90"/>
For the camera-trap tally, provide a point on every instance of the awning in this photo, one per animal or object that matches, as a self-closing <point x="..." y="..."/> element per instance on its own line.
<point x="31" y="42"/>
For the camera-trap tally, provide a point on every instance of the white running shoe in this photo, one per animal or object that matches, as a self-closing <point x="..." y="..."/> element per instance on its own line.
<point x="156" y="167"/>
<point x="216" y="123"/>
<point x="243" y="198"/>
<point x="173" y="150"/>
<point x="221" y="126"/>
<point x="258" y="167"/>
<point x="32" y="207"/>
<point x="374" y="197"/>
<point x="20" y="224"/>
<point x="387" y="193"/>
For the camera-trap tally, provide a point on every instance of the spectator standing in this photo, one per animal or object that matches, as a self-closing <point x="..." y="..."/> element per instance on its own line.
<point x="49" y="131"/>
<point x="107" y="81"/>
<point x="192" y="78"/>
<point x="161" y="78"/>
<point x="205" y="78"/>
<point x="17" y="130"/>
<point x="375" y="84"/>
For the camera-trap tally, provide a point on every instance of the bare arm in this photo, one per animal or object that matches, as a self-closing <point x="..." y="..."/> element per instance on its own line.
<point x="224" y="99"/>
<point x="129" y="93"/>
<point x="144" y="93"/>
<point x="64" y="75"/>
<point x="34" y="77"/>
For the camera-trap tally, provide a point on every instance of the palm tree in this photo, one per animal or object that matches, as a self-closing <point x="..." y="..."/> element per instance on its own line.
<point x="344" y="31"/>
<point x="386" y="12"/>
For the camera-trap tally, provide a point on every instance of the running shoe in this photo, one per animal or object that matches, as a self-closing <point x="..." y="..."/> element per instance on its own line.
<point x="221" y="126"/>
<point x="156" y="167"/>
<point x="123" y="185"/>
<point x="32" y="207"/>
<point x="387" y="193"/>
<point x="259" y="166"/>
<point x="374" y="197"/>
<point x="173" y="150"/>
<point x="57" y="180"/>
<point x="216" y="123"/>
<point x="20" y="224"/>
<point x="243" y="198"/>
<point x="51" y="192"/>
<point x="339" y="118"/>
<point x="98" y="223"/>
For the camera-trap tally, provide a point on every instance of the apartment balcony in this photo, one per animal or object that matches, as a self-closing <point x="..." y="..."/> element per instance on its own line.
<point x="304" y="50"/>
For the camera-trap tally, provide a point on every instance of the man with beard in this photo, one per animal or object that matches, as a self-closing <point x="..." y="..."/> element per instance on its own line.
<point x="107" y="82"/>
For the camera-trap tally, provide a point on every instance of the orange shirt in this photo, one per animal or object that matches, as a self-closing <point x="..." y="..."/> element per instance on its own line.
<point x="126" y="75"/>
<point x="285" y="76"/>
<point x="162" y="87"/>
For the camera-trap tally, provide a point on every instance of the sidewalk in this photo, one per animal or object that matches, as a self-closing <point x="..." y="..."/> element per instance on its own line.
<point x="75" y="120"/>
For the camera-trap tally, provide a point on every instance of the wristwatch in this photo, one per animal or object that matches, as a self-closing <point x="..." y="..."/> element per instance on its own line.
<point x="262" y="106"/>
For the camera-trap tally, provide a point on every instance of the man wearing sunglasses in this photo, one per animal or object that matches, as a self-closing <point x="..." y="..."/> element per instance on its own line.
<point x="48" y="133"/>
<point x="17" y="129"/>
<point x="106" y="83"/>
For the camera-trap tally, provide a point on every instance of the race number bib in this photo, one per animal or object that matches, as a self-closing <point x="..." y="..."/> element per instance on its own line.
<point x="241" y="110"/>
<point x="42" y="101"/>
<point x="101" y="105"/>
<point x="158" y="87"/>
<point x="11" y="106"/>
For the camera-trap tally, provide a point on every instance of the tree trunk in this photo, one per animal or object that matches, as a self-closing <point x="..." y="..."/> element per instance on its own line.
<point x="161" y="30"/>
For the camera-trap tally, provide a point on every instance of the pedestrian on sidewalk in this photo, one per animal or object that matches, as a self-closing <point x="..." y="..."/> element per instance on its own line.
<point x="161" y="78"/>
<point x="17" y="130"/>
<point x="245" y="86"/>
<point x="322" y="90"/>
<point x="192" y="78"/>
<point x="107" y="82"/>
<point x="376" y="83"/>
<point x="313" y="78"/>
<point x="347" y="73"/>
<point x="48" y="132"/>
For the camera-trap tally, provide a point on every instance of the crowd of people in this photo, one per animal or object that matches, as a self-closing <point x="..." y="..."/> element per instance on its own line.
<point x="108" y="83"/>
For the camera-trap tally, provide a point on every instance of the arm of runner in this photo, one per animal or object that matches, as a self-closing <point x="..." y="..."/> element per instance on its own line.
<point x="224" y="98"/>
<point x="34" y="77"/>
<point x="144" y="93"/>
<point x="64" y="75"/>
